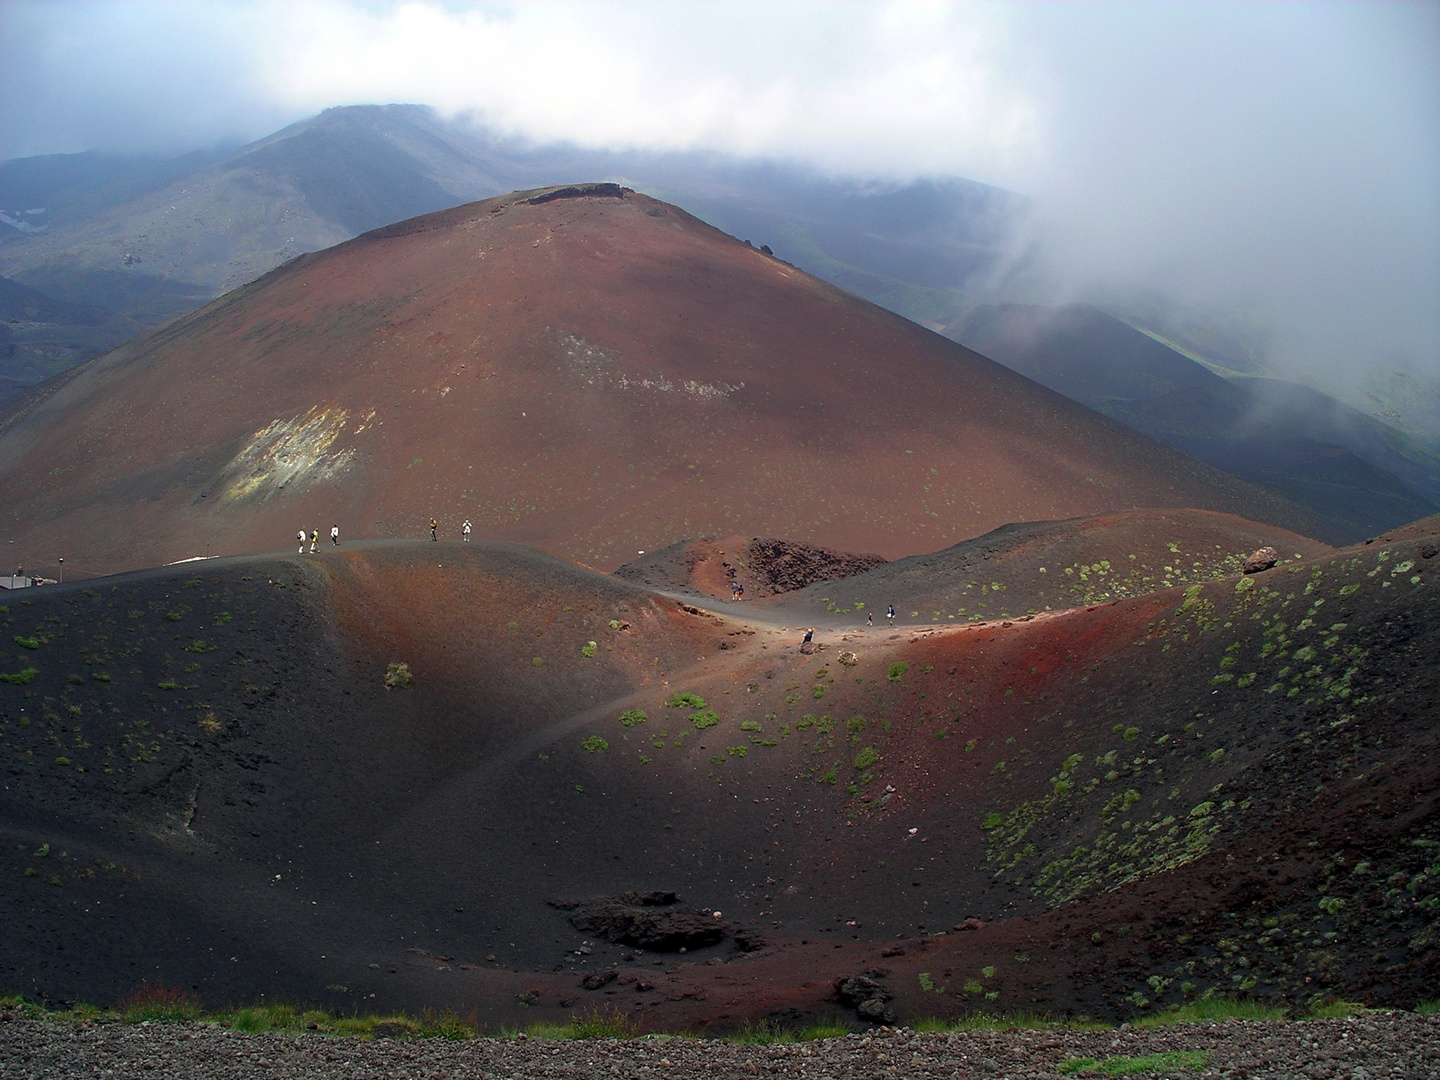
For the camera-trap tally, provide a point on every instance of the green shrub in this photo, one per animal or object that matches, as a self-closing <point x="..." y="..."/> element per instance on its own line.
<point x="632" y="717"/>
<point x="751" y="725"/>
<point x="686" y="701"/>
<point x="705" y="718"/>
<point x="866" y="758"/>
<point x="587" y="650"/>
<point x="897" y="671"/>
<point x="398" y="676"/>
<point x="27" y="642"/>
<point x="595" y="745"/>
<point x="100" y="676"/>
<point x="167" y="684"/>
<point x="20" y="678"/>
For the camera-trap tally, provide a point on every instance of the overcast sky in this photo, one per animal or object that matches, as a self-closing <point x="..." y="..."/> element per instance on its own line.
<point x="1281" y="160"/>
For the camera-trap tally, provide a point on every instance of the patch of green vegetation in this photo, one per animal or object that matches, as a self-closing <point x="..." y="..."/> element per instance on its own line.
<point x="866" y="758"/>
<point x="167" y="684"/>
<point x="685" y="701"/>
<point x="896" y="671"/>
<point x="1335" y="1010"/>
<point x="22" y="677"/>
<point x="830" y="776"/>
<point x="704" y="718"/>
<point x="752" y="725"/>
<point x="1129" y="1066"/>
<point x="173" y="616"/>
<point x="1003" y="1021"/>
<point x="1428" y="1008"/>
<point x="158" y="1003"/>
<point x="632" y="717"/>
<point x="398" y="676"/>
<point x="27" y="642"/>
<point x="1215" y="1008"/>
<point x="200" y="646"/>
<point x="595" y="745"/>
<point x="588" y="649"/>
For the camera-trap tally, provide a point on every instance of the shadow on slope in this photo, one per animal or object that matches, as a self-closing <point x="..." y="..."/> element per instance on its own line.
<point x="240" y="805"/>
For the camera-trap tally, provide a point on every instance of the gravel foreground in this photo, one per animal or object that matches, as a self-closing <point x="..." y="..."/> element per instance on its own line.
<point x="1368" y="1047"/>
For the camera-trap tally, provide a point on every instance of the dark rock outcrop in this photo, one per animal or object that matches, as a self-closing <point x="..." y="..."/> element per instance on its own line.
<point x="652" y="921"/>
<point x="867" y="995"/>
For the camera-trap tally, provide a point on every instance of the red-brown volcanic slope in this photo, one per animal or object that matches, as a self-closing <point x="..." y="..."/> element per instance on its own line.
<point x="590" y="375"/>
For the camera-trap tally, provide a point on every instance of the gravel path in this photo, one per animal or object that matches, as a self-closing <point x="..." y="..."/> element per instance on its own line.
<point x="1398" y="1045"/>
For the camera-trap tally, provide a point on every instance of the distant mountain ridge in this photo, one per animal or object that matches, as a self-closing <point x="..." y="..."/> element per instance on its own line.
<point x="1356" y="472"/>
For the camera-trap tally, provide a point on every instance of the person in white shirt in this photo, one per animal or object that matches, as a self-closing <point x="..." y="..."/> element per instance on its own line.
<point x="465" y="531"/>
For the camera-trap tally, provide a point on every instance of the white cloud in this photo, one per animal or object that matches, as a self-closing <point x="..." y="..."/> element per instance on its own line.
<point x="1279" y="158"/>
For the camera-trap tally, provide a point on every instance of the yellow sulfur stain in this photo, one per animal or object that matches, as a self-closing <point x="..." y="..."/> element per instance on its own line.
<point x="285" y="452"/>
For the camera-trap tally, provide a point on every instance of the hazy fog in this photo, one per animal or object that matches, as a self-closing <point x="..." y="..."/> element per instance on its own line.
<point x="1277" y="162"/>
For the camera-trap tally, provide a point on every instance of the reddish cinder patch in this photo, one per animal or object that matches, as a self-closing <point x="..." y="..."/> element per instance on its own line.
<point x="593" y="376"/>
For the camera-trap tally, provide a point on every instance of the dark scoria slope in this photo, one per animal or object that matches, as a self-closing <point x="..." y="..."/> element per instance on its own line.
<point x="586" y="370"/>
<point x="208" y="785"/>
<point x="1048" y="565"/>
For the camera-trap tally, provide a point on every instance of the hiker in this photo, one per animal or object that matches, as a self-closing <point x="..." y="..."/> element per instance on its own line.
<point x="890" y="615"/>
<point x="301" y="537"/>
<point x="314" y="540"/>
<point x="734" y="589"/>
<point x="809" y="636"/>
<point x="433" y="526"/>
<point x="739" y="590"/>
<point x="869" y="618"/>
<point x="465" y="531"/>
<point x="335" y="535"/>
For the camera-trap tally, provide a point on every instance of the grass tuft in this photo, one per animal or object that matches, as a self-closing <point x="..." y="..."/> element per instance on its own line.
<point x="1129" y="1066"/>
<point x="1213" y="1009"/>
<point x="1428" y="1008"/>
<point x="1006" y="1021"/>
<point x="155" y="1002"/>
<point x="1335" y="1010"/>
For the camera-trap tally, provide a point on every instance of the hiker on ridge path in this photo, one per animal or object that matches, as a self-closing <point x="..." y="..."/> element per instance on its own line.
<point x="301" y="537"/>
<point x="335" y="535"/>
<point x="314" y="540"/>
<point x="890" y="615"/>
<point x="465" y="531"/>
<point x="433" y="526"/>
<point x="809" y="636"/>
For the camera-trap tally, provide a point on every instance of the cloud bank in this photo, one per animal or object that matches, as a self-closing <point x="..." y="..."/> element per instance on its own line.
<point x="1281" y="161"/>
